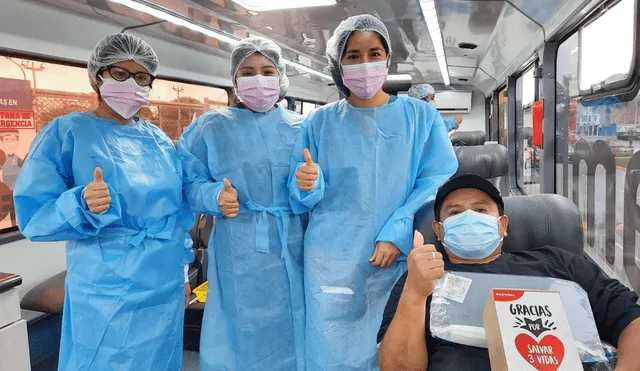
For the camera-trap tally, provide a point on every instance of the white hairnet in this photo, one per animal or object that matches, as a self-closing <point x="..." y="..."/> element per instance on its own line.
<point x="421" y="91"/>
<point x="338" y="42"/>
<point x="118" y="48"/>
<point x="266" y="47"/>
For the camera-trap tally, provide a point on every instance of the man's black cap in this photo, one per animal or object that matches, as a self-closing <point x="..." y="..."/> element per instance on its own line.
<point x="466" y="181"/>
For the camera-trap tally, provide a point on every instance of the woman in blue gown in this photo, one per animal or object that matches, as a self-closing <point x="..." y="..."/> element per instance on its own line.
<point x="236" y="163"/>
<point x="362" y="166"/>
<point x="110" y="185"/>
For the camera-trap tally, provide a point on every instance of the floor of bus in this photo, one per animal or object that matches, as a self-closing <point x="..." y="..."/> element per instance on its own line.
<point x="190" y="361"/>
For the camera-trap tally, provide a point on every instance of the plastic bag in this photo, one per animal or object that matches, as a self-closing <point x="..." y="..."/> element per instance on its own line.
<point x="460" y="298"/>
<point x="610" y="364"/>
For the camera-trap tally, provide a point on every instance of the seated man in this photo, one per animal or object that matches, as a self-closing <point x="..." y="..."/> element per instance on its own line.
<point x="427" y="93"/>
<point x="471" y="224"/>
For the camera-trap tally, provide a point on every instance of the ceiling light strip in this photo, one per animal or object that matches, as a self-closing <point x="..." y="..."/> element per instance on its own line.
<point x="431" y="18"/>
<point x="268" y="5"/>
<point x="180" y="20"/>
<point x="399" y="77"/>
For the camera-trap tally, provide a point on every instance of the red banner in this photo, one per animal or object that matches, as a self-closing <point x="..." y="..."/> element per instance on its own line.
<point x="16" y="119"/>
<point x="537" y="116"/>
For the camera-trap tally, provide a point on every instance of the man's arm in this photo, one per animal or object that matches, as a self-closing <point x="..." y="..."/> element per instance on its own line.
<point x="628" y="355"/>
<point x="615" y="310"/>
<point x="404" y="346"/>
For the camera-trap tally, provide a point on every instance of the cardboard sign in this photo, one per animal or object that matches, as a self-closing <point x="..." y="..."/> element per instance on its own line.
<point x="528" y="330"/>
<point x="16" y="104"/>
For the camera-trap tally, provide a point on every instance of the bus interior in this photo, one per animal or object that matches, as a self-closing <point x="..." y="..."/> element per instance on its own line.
<point x="552" y="85"/>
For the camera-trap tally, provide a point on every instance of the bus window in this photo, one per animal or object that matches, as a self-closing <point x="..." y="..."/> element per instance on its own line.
<point x="605" y="56"/>
<point x="528" y="154"/>
<point x="307" y="108"/>
<point x="598" y="143"/>
<point x="34" y="93"/>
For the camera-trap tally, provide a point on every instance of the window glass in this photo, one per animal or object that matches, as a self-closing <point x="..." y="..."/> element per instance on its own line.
<point x="503" y="117"/>
<point x="606" y="46"/>
<point x="33" y="93"/>
<point x="284" y="104"/>
<point x="307" y="108"/>
<point x="598" y="157"/>
<point x="529" y="154"/>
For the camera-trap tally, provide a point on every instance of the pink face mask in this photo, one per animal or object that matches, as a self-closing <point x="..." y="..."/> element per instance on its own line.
<point x="126" y="98"/>
<point x="259" y="93"/>
<point x="365" y="79"/>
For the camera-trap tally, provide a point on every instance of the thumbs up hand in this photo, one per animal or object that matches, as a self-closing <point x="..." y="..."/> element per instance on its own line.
<point x="228" y="200"/>
<point x="96" y="194"/>
<point x="307" y="173"/>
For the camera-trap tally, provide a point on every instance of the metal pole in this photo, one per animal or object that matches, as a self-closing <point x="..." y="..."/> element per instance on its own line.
<point x="548" y="161"/>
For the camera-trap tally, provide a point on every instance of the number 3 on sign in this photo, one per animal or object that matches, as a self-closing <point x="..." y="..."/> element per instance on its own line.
<point x="531" y="359"/>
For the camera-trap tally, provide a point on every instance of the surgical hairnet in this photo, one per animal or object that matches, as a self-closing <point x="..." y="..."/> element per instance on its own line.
<point x="338" y="43"/>
<point x="118" y="48"/>
<point x="421" y="91"/>
<point x="266" y="47"/>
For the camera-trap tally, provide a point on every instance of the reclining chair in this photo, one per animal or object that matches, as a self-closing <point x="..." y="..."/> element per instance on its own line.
<point x="490" y="161"/>
<point x="468" y="138"/>
<point x="533" y="223"/>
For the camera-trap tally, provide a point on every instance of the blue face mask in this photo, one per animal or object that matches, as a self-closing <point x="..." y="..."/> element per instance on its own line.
<point x="471" y="235"/>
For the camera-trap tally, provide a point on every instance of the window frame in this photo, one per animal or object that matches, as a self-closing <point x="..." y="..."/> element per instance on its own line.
<point x="625" y="89"/>
<point x="531" y="65"/>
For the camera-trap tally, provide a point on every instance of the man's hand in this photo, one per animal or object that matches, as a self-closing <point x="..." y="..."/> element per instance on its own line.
<point x="96" y="194"/>
<point x="425" y="266"/>
<point x="308" y="173"/>
<point x="458" y="119"/>
<point x="384" y="255"/>
<point x="228" y="200"/>
<point x="187" y="294"/>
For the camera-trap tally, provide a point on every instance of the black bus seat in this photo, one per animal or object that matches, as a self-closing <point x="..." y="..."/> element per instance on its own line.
<point x="491" y="161"/>
<point x="200" y="235"/>
<point x="469" y="138"/>
<point x="534" y="221"/>
<point x="46" y="297"/>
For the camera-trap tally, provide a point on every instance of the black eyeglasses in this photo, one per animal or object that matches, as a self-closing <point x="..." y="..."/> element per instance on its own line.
<point x="121" y="74"/>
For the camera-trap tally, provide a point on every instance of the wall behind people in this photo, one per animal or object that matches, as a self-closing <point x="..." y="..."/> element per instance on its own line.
<point x="35" y="262"/>
<point x="476" y="119"/>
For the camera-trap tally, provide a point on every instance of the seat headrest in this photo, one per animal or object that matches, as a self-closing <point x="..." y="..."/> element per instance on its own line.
<point x="525" y="133"/>
<point x="534" y="221"/>
<point x="488" y="161"/>
<point x="470" y="138"/>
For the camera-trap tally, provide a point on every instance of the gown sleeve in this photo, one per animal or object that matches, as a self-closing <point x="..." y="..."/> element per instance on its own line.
<point x="301" y="201"/>
<point x="451" y="123"/>
<point x="436" y="162"/>
<point x="200" y="190"/>
<point x="49" y="206"/>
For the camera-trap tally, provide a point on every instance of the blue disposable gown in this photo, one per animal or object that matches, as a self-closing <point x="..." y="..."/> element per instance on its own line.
<point x="254" y="317"/>
<point x="450" y="123"/>
<point x="378" y="166"/>
<point x="124" y="291"/>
